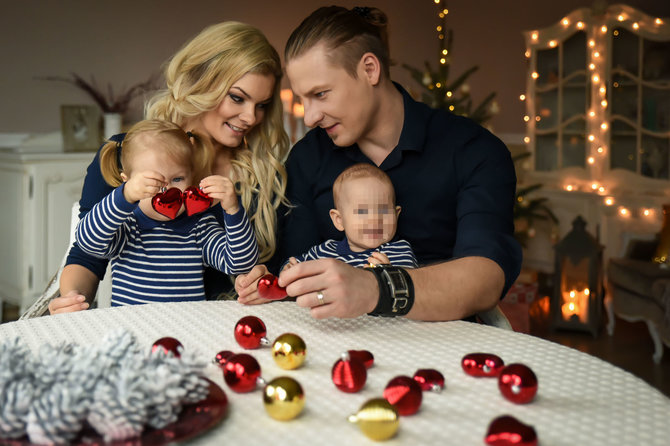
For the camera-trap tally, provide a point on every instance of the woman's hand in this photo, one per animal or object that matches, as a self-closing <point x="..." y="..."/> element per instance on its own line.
<point x="221" y="189"/>
<point x="71" y="302"/>
<point x="246" y="286"/>
<point x="143" y="185"/>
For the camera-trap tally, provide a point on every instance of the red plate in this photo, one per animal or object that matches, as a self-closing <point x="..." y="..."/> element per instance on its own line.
<point x="194" y="420"/>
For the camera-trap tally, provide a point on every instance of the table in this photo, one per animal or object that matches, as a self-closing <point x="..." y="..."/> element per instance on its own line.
<point x="581" y="399"/>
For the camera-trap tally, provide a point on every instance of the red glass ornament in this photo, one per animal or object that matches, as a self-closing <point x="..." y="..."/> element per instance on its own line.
<point x="222" y="357"/>
<point x="508" y="431"/>
<point x="168" y="203"/>
<point x="518" y="383"/>
<point x="168" y="345"/>
<point x="250" y="332"/>
<point x="482" y="364"/>
<point x="429" y="379"/>
<point x="195" y="200"/>
<point x="405" y="394"/>
<point x="268" y="288"/>
<point x="348" y="374"/>
<point x="364" y="356"/>
<point x="241" y="372"/>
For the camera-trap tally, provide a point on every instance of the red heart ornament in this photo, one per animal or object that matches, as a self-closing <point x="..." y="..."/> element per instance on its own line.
<point x="429" y="379"/>
<point x="482" y="364"/>
<point x="364" y="356"/>
<point x="168" y="203"/>
<point x="518" y="383"/>
<point x="250" y="332"/>
<point x="508" y="431"/>
<point x="196" y="200"/>
<point x="241" y="372"/>
<point x="168" y="345"/>
<point x="268" y="288"/>
<point x="405" y="394"/>
<point x="348" y="374"/>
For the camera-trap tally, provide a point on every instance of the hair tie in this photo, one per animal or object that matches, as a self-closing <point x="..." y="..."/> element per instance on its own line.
<point x="118" y="155"/>
<point x="191" y="135"/>
<point x="362" y="11"/>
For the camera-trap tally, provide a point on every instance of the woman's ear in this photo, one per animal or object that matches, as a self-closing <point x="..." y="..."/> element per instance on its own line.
<point x="337" y="219"/>
<point x="370" y="68"/>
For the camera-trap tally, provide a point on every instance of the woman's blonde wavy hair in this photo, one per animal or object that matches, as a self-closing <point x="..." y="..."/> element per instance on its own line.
<point x="198" y="77"/>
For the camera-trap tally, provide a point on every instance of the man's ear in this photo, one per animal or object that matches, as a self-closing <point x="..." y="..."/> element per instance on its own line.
<point x="370" y="68"/>
<point x="397" y="211"/>
<point x="337" y="219"/>
<point x="124" y="177"/>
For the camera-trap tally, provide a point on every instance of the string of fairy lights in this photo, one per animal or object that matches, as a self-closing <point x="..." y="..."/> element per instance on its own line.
<point x="598" y="131"/>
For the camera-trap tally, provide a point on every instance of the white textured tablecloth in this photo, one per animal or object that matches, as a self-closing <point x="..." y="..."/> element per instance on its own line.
<point x="581" y="400"/>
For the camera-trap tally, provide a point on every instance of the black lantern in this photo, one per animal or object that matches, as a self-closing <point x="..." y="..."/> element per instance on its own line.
<point x="578" y="285"/>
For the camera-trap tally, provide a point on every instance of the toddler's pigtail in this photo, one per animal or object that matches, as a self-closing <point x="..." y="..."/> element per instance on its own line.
<point x="109" y="164"/>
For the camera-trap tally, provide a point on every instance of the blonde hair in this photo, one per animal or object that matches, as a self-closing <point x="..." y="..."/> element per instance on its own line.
<point x="198" y="77"/>
<point x="174" y="144"/>
<point x="361" y="170"/>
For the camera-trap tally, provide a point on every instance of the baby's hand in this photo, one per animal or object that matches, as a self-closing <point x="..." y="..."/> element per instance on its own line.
<point x="141" y="185"/>
<point x="378" y="258"/>
<point x="222" y="189"/>
<point x="291" y="262"/>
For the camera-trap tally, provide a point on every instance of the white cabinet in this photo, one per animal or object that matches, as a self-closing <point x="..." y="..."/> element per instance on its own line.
<point x="37" y="195"/>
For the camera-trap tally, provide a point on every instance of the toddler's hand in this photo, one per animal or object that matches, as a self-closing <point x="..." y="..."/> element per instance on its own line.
<point x="291" y="262"/>
<point x="143" y="185"/>
<point x="378" y="258"/>
<point x="222" y="189"/>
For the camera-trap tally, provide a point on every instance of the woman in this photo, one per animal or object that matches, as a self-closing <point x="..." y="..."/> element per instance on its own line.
<point x="223" y="84"/>
<point x="454" y="180"/>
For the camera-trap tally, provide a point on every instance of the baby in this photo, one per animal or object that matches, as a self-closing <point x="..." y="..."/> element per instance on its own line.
<point x="156" y="258"/>
<point x="365" y="210"/>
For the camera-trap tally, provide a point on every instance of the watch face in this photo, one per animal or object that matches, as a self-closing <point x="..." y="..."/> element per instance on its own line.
<point x="397" y="280"/>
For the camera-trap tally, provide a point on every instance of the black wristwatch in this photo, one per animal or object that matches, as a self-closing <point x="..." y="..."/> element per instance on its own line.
<point x="396" y="290"/>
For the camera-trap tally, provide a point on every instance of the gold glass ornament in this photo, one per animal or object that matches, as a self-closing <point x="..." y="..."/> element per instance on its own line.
<point x="289" y="351"/>
<point x="377" y="418"/>
<point x="283" y="398"/>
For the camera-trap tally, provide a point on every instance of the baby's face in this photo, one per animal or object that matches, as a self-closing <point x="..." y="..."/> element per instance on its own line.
<point x="368" y="213"/>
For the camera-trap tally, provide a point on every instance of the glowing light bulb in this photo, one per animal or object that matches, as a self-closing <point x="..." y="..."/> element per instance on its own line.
<point x="600" y="150"/>
<point x="592" y="66"/>
<point x="449" y="94"/>
<point x="580" y="25"/>
<point x="534" y="35"/>
<point x="452" y="108"/>
<point x="526" y="139"/>
<point x="603" y="29"/>
<point x="603" y="103"/>
<point x="565" y="21"/>
<point x="609" y="201"/>
<point x="623" y="211"/>
<point x="592" y="113"/>
<point x="592" y="43"/>
<point x="439" y="28"/>
<point x="603" y="126"/>
<point x="535" y="75"/>
<point x="592" y="138"/>
<point x="601" y="189"/>
<point x="443" y="61"/>
<point x="646" y="212"/>
<point x="596" y="54"/>
<point x="445" y="11"/>
<point x="636" y="25"/>
<point x="527" y="54"/>
<point x="603" y="90"/>
<point x="595" y="78"/>
<point x="569" y="187"/>
<point x="445" y="52"/>
<point x="620" y="18"/>
<point x="552" y="43"/>
<point x="594" y="186"/>
<point x="591" y="160"/>
<point x="537" y="118"/>
<point x="522" y="97"/>
<point x="586" y="292"/>
<point x="658" y="21"/>
<point x="526" y="118"/>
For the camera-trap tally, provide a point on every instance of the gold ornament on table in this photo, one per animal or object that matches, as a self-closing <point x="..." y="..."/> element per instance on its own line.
<point x="283" y="398"/>
<point x="289" y="351"/>
<point x="662" y="255"/>
<point x="377" y="419"/>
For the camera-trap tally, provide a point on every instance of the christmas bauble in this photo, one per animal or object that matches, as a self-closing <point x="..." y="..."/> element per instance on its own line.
<point x="283" y="398"/>
<point x="241" y="372"/>
<point x="168" y="345"/>
<point x="405" y="394"/>
<point x="222" y="357"/>
<point x="482" y="364"/>
<point x="377" y="418"/>
<point x="364" y="356"/>
<point x="518" y="383"/>
<point x="348" y="374"/>
<point x="508" y="431"/>
<point x="429" y="379"/>
<point x="268" y="288"/>
<point x="289" y="351"/>
<point x="250" y="332"/>
<point x="168" y="203"/>
<point x="195" y="200"/>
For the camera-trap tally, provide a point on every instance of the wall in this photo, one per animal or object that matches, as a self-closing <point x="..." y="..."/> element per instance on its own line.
<point x="124" y="41"/>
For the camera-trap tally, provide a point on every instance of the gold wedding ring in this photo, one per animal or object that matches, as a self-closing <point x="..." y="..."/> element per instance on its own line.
<point x="319" y="296"/>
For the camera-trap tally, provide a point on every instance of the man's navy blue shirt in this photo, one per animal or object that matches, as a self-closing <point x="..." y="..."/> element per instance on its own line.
<point x="454" y="180"/>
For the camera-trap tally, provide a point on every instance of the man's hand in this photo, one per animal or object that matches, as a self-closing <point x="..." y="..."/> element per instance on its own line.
<point x="347" y="291"/>
<point x="71" y="302"/>
<point x="246" y="286"/>
<point x="222" y="189"/>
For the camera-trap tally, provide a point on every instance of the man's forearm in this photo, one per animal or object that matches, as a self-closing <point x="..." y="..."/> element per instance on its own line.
<point x="455" y="289"/>
<point x="79" y="278"/>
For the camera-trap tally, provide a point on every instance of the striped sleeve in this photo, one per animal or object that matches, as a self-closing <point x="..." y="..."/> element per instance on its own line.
<point x="325" y="250"/>
<point x="233" y="250"/>
<point x="400" y="253"/>
<point x="98" y="233"/>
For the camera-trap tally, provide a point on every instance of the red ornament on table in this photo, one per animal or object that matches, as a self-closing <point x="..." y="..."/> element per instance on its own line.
<point x="518" y="383"/>
<point x="242" y="373"/>
<point x="169" y="346"/>
<point x="196" y="200"/>
<point x="168" y="203"/>
<point x="268" y="288"/>
<point x="222" y="357"/>
<point x="250" y="332"/>
<point x="405" y="394"/>
<point x="364" y="356"/>
<point x="508" y="431"/>
<point x="429" y="379"/>
<point x="349" y="374"/>
<point x="482" y="364"/>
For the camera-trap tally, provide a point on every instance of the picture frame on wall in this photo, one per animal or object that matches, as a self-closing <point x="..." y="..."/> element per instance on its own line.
<point x="80" y="125"/>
